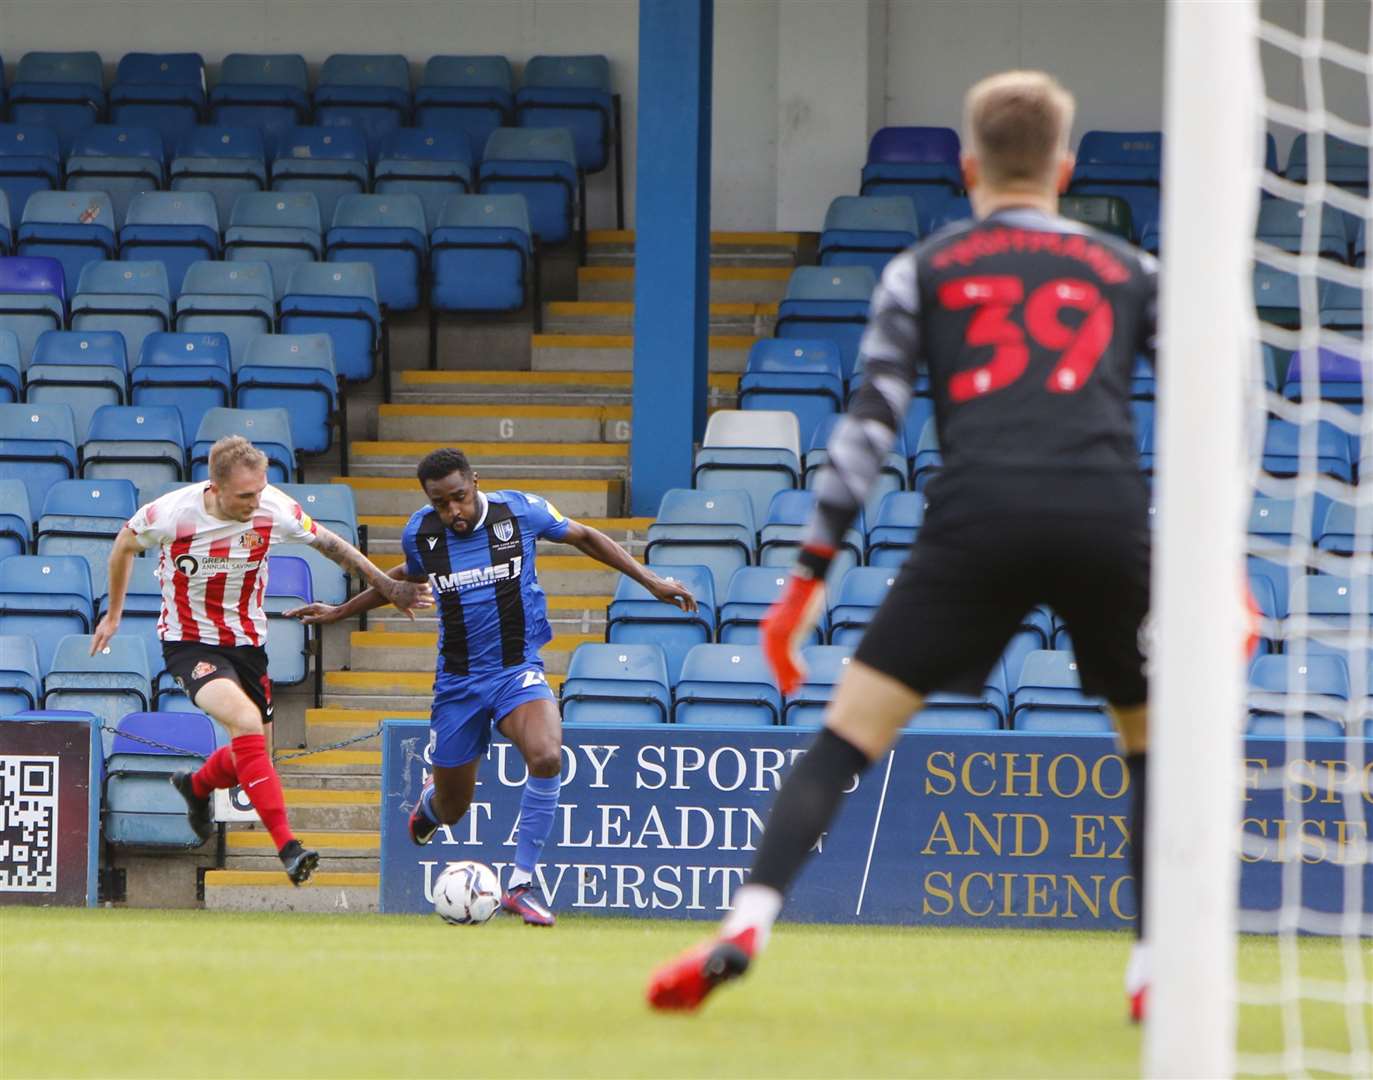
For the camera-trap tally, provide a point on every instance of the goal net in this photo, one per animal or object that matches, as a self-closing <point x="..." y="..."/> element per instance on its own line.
<point x="1261" y="900"/>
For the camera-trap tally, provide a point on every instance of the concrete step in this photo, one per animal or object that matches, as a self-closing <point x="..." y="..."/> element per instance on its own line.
<point x="393" y="650"/>
<point x="330" y="725"/>
<point x="615" y="352"/>
<point x="331" y="843"/>
<point x="539" y="387"/>
<point x="387" y="528"/>
<point x="728" y="284"/>
<point x="266" y="861"/>
<point x="506" y="422"/>
<point x="617" y="317"/>
<point x="330" y="891"/>
<point x="576" y="498"/>
<point x="343" y="762"/>
<point x="345" y="785"/>
<point x="324" y="808"/>
<point x="565" y="575"/>
<point x="573" y="461"/>
<point x="606" y="247"/>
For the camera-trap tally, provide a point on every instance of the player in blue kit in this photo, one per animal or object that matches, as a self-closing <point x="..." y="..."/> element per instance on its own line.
<point x="476" y="549"/>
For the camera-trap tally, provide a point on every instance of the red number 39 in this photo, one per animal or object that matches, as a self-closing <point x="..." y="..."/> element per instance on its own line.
<point x="996" y="297"/>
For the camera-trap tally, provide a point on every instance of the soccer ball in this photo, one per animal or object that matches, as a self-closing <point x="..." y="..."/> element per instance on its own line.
<point x="467" y="893"/>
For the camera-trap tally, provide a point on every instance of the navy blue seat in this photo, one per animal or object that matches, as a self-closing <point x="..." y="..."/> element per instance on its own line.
<point x="326" y="161"/>
<point x="867" y="230"/>
<point x="572" y="92"/>
<point x="81" y="369"/>
<point x="828" y="302"/>
<point x="802" y="377"/>
<point x="615" y="684"/>
<point x="541" y="165"/>
<point x="266" y="91"/>
<point x="295" y="373"/>
<point x="855" y="601"/>
<point x="120" y="161"/>
<point x="61" y="92"/>
<point x="187" y="372"/>
<point x="703" y="528"/>
<point x="237" y="299"/>
<point x="21" y="681"/>
<point x="177" y="228"/>
<point x="338" y="299"/>
<point x="82" y="517"/>
<point x="1346" y="163"/>
<point x="37" y="446"/>
<point x="142" y="810"/>
<point x="894" y="529"/>
<point x="6" y="224"/>
<point x="45" y="598"/>
<point x="267" y="429"/>
<point x="30" y="160"/>
<point x="387" y="232"/>
<point x="636" y="617"/>
<point x="727" y="685"/>
<point x="483" y="254"/>
<point x="471" y="94"/>
<point x="165" y="91"/>
<point x="279" y="228"/>
<point x="145" y="444"/>
<point x="132" y="298"/>
<point x="224" y="162"/>
<point x="1126" y="164"/>
<point x="328" y="580"/>
<point x="919" y="163"/>
<point x="74" y="228"/>
<point x="1339" y="377"/>
<point x="429" y="163"/>
<point x="784" y="530"/>
<point x="369" y="92"/>
<point x="16" y="519"/>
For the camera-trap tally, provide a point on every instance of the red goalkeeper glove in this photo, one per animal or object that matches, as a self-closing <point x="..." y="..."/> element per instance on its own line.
<point x="792" y="618"/>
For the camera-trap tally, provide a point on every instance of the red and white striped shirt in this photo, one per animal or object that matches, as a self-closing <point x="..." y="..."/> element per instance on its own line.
<point x="214" y="572"/>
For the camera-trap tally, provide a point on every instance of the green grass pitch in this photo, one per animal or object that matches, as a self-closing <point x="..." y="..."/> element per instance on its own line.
<point x="121" y="993"/>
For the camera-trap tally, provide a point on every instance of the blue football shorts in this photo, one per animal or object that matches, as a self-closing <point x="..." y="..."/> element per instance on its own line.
<point x="467" y="708"/>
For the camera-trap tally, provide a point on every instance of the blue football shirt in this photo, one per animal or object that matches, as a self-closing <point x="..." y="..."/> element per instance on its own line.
<point x="492" y="612"/>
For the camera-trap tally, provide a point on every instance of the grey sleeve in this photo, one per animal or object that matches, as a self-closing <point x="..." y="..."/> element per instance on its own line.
<point x="890" y="348"/>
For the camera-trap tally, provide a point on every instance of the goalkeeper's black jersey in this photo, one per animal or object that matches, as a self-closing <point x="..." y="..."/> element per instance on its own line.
<point x="1028" y="325"/>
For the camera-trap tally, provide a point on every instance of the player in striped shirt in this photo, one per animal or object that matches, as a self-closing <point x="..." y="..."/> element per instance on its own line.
<point x="477" y="550"/>
<point x="213" y="540"/>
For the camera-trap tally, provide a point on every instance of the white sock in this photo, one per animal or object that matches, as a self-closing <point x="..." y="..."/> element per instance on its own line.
<point x="1137" y="970"/>
<point x="519" y="877"/>
<point x="755" y="906"/>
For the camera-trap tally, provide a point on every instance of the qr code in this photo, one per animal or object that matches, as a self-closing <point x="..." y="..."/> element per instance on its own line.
<point x="28" y="823"/>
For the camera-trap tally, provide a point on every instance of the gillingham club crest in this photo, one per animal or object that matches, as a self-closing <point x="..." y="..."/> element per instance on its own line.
<point x="504" y="530"/>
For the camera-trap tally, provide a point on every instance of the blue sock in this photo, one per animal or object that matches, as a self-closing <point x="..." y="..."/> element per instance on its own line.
<point x="538" y="805"/>
<point x="426" y="806"/>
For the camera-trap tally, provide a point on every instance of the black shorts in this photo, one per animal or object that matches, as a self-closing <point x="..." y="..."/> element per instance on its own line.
<point x="194" y="663"/>
<point x="972" y="577"/>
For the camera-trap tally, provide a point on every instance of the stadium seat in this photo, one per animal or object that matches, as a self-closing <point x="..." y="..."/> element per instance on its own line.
<point x="338" y="299"/>
<point x="143" y="610"/>
<point x="895" y="527"/>
<point x="131" y="298"/>
<point x="177" y="228"/>
<point x="188" y="372"/>
<point x="1277" y="295"/>
<point x="295" y="373"/>
<point x="1346" y="163"/>
<point x="920" y="163"/>
<point x="288" y="640"/>
<point x="16" y="519"/>
<point x="802" y="377"/>
<point x="828" y="302"/>
<point x="825" y="665"/>
<point x="429" y="163"/>
<point x="388" y="233"/>
<point x="728" y="685"/>
<point x="37" y="446"/>
<point x="82" y="517"/>
<point x="145" y="444"/>
<point x="757" y="452"/>
<point x="1048" y="697"/>
<point x="30" y="161"/>
<point x="1311" y="686"/>
<point x="236" y="299"/>
<point x="45" y="598"/>
<point x="1338" y="377"/>
<point x="33" y="299"/>
<point x="165" y="91"/>
<point x="1126" y="164"/>
<point x="74" y="228"/>
<point x="1282" y="450"/>
<point x="223" y="162"/>
<point x="926" y="457"/>
<point x="328" y="580"/>
<point x="541" y="165"/>
<point x="854" y="600"/>
<point x="326" y="161"/>
<point x="6" y="224"/>
<point x="281" y="229"/>
<point x="1273" y="519"/>
<point x="1361" y="245"/>
<point x="1281" y="224"/>
<point x="710" y="528"/>
<point x="612" y="684"/>
<point x="81" y="369"/>
<point x="120" y="161"/>
<point x="892" y="476"/>
<point x="956" y="712"/>
<point x="267" y="429"/>
<point x="143" y="810"/>
<point x="367" y="92"/>
<point x="332" y="505"/>
<point x="1109" y="213"/>
<point x="110" y="684"/>
<point x="1329" y="601"/>
<point x="1342" y="308"/>
<point x="784" y="527"/>
<point x="1269" y="582"/>
<point x="483" y="256"/>
<point x="752" y="590"/>
<point x="1337" y="530"/>
<point x="867" y="230"/>
<point x="572" y="92"/>
<point x="11" y="364"/>
<point x="266" y="91"/>
<point x="61" y="92"/>
<point x="635" y="616"/>
<point x="21" y="681"/>
<point x="471" y="94"/>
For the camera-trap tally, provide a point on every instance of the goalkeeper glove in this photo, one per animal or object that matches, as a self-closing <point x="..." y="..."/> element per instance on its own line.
<point x="792" y="618"/>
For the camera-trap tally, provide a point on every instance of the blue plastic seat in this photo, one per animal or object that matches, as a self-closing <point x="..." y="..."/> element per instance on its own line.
<point x="1337" y="531"/>
<point x="224" y="162"/>
<point x="120" y="161"/>
<point x="33" y="299"/>
<point x="387" y="232"/>
<point x="1346" y="163"/>
<point x="926" y="457"/>
<point x="74" y="228"/>
<point x="37" y="446"/>
<point x="1126" y="164"/>
<point x="892" y="476"/>
<point x="1281" y="223"/>
<point x="11" y="364"/>
<point x="855" y="601"/>
<point x="327" y="161"/>
<point x="541" y="165"/>
<point x="266" y="91"/>
<point x="784" y="528"/>
<point x="1273" y="519"/>
<point x="1282" y="450"/>
<point x="142" y="810"/>
<point x="1314" y="686"/>
<point x="727" y="685"/>
<point x="471" y="94"/>
<point x="802" y="377"/>
<point x="825" y="666"/>
<point x="279" y="228"/>
<point x="16" y="519"/>
<point x="1108" y="213"/>
<point x="483" y="254"/>
<point x="894" y="529"/>
<point x="82" y="517"/>
<point x="1048" y="697"/>
<point x="30" y="161"/>
<point x="236" y="299"/>
<point x="187" y="372"/>
<point x="752" y="590"/>
<point x="296" y="373"/>
<point x="429" y="163"/>
<point x="165" y="91"/>
<point x="45" y="598"/>
<point x="328" y="581"/>
<point x="81" y="369"/>
<point x="572" y="92"/>
<point x="288" y="640"/>
<point x="110" y="684"/>
<point x="368" y="92"/>
<point x="145" y="444"/>
<point x="332" y="505"/>
<point x="1330" y="601"/>
<point x="177" y="228"/>
<point x="6" y="224"/>
<point x="21" y="681"/>
<point x="267" y="429"/>
<point x="615" y="684"/>
<point x="919" y="163"/>
<point x="61" y="92"/>
<point x="828" y="302"/>
<point x="143" y="610"/>
<point x="131" y="298"/>
<point x="1277" y="295"/>
<point x="635" y="616"/>
<point x="710" y="528"/>
<point x="338" y="299"/>
<point x="1342" y="308"/>
<point x="1339" y="377"/>
<point x="867" y="230"/>
<point x="756" y="451"/>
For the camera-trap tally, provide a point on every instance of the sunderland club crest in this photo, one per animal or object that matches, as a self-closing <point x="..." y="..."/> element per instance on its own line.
<point x="504" y="530"/>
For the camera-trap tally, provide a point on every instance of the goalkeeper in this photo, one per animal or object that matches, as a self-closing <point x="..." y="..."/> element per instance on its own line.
<point x="1029" y="326"/>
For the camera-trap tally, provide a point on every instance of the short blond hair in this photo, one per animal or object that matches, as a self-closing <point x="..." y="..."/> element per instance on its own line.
<point x="232" y="452"/>
<point x="1017" y="125"/>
